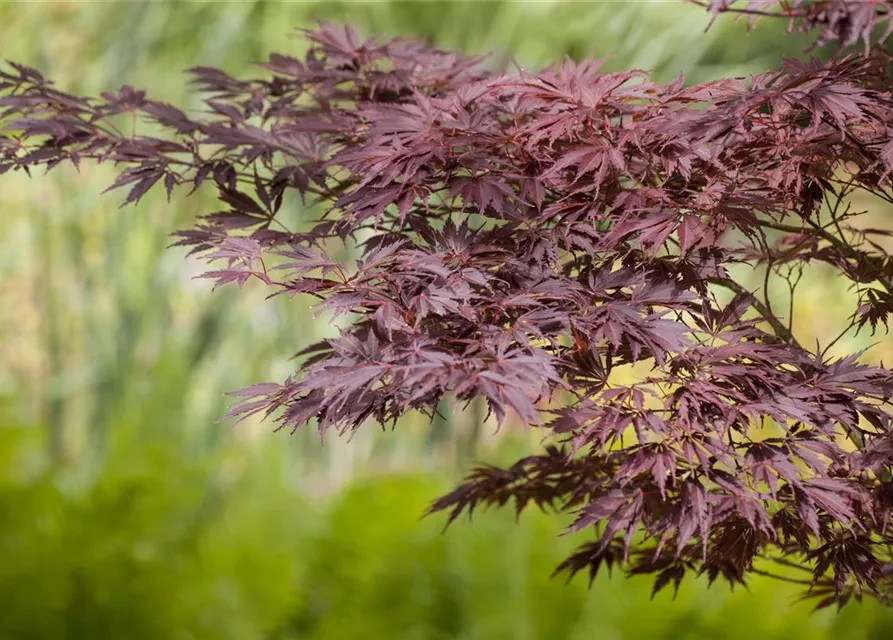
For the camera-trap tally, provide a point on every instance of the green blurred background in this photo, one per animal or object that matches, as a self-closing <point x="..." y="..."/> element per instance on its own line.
<point x="128" y="511"/>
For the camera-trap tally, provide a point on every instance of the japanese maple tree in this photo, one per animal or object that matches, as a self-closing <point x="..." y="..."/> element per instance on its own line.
<point x="526" y="237"/>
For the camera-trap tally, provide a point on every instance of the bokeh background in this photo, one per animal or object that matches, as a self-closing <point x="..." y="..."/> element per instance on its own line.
<point x="127" y="510"/>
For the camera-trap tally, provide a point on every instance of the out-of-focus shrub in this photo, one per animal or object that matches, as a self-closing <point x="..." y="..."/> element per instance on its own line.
<point x="229" y="545"/>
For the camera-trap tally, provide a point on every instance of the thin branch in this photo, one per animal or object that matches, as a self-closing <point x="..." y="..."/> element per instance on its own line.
<point x="776" y="576"/>
<point x="777" y="325"/>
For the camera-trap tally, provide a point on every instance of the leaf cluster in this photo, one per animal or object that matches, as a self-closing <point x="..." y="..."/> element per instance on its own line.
<point x="524" y="236"/>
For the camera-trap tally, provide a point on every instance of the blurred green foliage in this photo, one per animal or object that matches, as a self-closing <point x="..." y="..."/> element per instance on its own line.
<point x="126" y="510"/>
<point x="161" y="544"/>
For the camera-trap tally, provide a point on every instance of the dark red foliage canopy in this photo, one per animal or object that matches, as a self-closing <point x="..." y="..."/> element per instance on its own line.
<point x="525" y="236"/>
